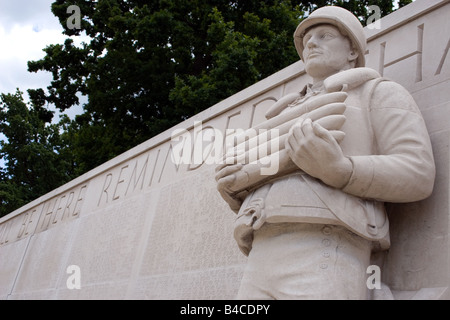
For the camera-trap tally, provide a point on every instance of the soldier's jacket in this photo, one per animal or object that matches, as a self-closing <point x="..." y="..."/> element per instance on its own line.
<point x="388" y="143"/>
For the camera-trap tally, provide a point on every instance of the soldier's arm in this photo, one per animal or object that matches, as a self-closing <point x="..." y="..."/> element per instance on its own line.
<point x="403" y="169"/>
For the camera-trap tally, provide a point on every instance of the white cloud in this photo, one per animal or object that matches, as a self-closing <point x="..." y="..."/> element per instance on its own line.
<point x="36" y="12"/>
<point x="26" y="28"/>
<point x="23" y="44"/>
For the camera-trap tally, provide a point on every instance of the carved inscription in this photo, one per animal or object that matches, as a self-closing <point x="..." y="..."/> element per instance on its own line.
<point x="64" y="207"/>
<point x="61" y="208"/>
<point x="5" y="229"/>
<point x="27" y="226"/>
<point x="132" y="176"/>
<point x="156" y="166"/>
<point x="418" y="53"/>
<point x="417" y="73"/>
<point x="20" y="226"/>
<point x="444" y="57"/>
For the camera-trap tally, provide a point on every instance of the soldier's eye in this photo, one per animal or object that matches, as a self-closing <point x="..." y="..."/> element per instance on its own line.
<point x="327" y="35"/>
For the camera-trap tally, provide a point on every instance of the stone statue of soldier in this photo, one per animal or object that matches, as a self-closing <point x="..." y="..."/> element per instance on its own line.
<point x="309" y="232"/>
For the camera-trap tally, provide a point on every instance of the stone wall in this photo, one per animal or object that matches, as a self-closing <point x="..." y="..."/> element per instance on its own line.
<point x="142" y="227"/>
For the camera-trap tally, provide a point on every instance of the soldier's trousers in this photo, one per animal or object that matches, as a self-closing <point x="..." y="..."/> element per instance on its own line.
<point x="306" y="261"/>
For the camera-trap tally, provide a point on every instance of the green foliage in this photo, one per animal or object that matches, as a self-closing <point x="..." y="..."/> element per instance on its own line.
<point x="34" y="152"/>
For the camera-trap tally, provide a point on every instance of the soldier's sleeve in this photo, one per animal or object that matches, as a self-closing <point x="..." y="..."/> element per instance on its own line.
<point x="403" y="168"/>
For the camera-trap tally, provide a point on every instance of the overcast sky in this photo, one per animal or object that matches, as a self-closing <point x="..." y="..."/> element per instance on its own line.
<point x="27" y="27"/>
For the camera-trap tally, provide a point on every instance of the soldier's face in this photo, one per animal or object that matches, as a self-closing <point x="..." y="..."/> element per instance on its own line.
<point x="326" y="51"/>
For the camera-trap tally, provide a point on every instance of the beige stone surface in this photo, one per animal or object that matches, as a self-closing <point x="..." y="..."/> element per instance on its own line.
<point x="142" y="227"/>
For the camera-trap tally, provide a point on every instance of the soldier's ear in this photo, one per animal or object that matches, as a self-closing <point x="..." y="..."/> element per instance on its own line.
<point x="353" y="55"/>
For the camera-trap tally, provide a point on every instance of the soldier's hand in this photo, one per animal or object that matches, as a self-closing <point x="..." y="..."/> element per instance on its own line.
<point x="330" y="117"/>
<point x="225" y="177"/>
<point x="314" y="149"/>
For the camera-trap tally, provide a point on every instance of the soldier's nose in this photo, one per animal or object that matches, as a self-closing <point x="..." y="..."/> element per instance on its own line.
<point x="312" y="43"/>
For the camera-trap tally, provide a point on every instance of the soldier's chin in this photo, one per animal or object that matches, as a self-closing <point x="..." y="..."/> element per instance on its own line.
<point x="316" y="68"/>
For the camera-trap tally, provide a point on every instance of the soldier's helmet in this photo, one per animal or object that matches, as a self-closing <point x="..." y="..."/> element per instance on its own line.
<point x="341" y="18"/>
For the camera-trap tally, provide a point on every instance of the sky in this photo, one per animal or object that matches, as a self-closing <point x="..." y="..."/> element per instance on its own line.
<point x="26" y="28"/>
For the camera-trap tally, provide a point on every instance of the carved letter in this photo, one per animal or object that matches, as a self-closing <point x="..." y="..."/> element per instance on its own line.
<point x="418" y="53"/>
<point x="28" y="218"/>
<point x="119" y="181"/>
<point x="6" y="227"/>
<point x="80" y="198"/>
<point x="105" y="188"/>
<point x="154" y="167"/>
<point x="68" y="203"/>
<point x="164" y="165"/>
<point x="182" y="151"/>
<point x="140" y="177"/>
<point x="48" y="214"/>
<point x="58" y="208"/>
<point x="215" y="152"/>
<point x="441" y="64"/>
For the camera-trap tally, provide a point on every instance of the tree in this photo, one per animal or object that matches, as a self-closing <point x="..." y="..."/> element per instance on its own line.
<point x="34" y="152"/>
